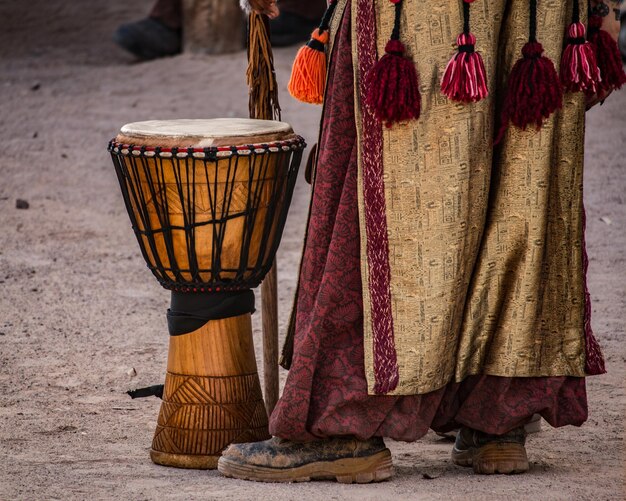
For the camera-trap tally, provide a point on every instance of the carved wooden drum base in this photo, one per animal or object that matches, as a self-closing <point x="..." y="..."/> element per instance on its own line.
<point x="212" y="395"/>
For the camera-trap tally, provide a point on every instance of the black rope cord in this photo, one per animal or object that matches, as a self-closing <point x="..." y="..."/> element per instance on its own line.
<point x="532" y="22"/>
<point x="328" y="15"/>
<point x="466" y="17"/>
<point x="593" y="29"/>
<point x="169" y="217"/>
<point x="469" y="48"/>
<point x="323" y="26"/>
<point x="395" y="34"/>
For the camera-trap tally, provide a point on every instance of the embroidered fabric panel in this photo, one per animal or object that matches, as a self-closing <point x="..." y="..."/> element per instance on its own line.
<point x="482" y="244"/>
<point x="376" y="248"/>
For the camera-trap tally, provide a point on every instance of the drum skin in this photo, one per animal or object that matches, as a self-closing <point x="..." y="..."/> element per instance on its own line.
<point x="208" y="200"/>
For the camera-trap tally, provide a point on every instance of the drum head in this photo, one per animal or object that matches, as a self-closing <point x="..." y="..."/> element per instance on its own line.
<point x="201" y="133"/>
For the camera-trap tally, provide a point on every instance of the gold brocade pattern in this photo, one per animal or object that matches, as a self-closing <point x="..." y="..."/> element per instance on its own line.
<point x="485" y="245"/>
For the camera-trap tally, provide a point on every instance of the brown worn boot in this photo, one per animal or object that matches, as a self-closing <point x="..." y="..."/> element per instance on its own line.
<point x="346" y="460"/>
<point x="489" y="454"/>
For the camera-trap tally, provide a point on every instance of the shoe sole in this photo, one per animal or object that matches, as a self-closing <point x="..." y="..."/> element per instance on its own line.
<point x="375" y="468"/>
<point x="191" y="461"/>
<point x="503" y="458"/>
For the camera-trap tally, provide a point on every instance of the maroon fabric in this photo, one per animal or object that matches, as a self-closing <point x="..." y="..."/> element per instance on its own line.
<point x="326" y="390"/>
<point x="385" y="357"/>
<point x="594" y="362"/>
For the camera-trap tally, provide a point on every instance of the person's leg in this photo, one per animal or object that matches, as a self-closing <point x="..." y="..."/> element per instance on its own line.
<point x="492" y="413"/>
<point x="155" y="36"/>
<point x="325" y="395"/>
<point x="168" y="12"/>
<point x="312" y="445"/>
<point x="326" y="390"/>
<point x="532" y="251"/>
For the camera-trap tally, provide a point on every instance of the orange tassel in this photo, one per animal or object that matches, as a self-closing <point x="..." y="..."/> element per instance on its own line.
<point x="308" y="76"/>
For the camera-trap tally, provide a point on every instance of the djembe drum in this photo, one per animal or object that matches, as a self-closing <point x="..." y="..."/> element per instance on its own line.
<point x="208" y="200"/>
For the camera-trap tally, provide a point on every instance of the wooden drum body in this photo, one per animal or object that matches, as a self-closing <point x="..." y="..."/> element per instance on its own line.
<point x="212" y="395"/>
<point x="208" y="200"/>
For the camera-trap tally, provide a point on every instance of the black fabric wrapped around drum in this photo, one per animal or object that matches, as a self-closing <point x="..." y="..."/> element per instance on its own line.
<point x="189" y="312"/>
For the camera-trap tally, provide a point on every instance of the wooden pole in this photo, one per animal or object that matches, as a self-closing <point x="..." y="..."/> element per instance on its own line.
<point x="263" y="104"/>
<point x="270" y="338"/>
<point x="212" y="26"/>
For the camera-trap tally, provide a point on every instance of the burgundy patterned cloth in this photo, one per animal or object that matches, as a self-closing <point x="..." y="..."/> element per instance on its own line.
<point x="326" y="390"/>
<point x="386" y="371"/>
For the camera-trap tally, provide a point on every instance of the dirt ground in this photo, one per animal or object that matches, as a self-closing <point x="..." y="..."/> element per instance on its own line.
<point x="79" y="309"/>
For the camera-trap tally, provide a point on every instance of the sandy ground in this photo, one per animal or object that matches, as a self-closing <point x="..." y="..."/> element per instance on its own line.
<point x="79" y="309"/>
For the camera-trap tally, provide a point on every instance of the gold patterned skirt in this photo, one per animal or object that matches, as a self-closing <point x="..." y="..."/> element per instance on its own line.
<point x="484" y="267"/>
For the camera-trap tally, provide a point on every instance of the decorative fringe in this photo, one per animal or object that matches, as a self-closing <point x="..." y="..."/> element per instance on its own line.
<point x="607" y="56"/>
<point x="308" y="75"/>
<point x="465" y="78"/>
<point x="263" y="90"/>
<point x="579" y="68"/>
<point x="594" y="360"/>
<point x="393" y="92"/>
<point x="533" y="89"/>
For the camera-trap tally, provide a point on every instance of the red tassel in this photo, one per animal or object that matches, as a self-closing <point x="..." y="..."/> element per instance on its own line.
<point x="393" y="93"/>
<point x="465" y="78"/>
<point x="594" y="360"/>
<point x="579" y="68"/>
<point x="607" y="56"/>
<point x="308" y="75"/>
<point x="533" y="90"/>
